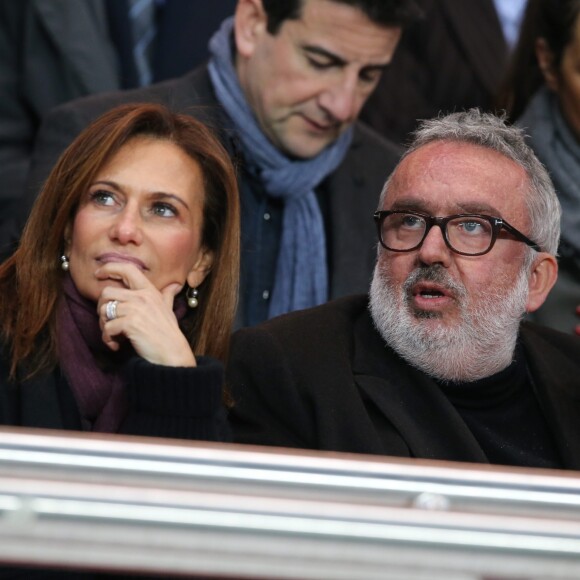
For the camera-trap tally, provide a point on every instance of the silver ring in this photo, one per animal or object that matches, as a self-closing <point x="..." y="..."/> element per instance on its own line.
<point x="111" y="309"/>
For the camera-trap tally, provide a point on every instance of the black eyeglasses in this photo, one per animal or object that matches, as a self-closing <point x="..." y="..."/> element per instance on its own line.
<point x="466" y="234"/>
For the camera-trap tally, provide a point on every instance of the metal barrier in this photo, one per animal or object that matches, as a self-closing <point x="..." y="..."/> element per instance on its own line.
<point x="184" y="509"/>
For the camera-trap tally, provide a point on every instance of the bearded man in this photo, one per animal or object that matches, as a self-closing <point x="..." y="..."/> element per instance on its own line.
<point x="438" y="363"/>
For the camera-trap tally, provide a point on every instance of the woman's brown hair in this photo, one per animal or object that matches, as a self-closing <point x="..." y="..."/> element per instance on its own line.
<point x="31" y="279"/>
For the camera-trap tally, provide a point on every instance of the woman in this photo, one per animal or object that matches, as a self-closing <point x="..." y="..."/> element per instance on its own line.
<point x="117" y="306"/>
<point x="543" y="95"/>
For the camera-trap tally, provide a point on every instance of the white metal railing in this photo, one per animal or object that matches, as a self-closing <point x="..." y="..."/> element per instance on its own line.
<point x="173" y="508"/>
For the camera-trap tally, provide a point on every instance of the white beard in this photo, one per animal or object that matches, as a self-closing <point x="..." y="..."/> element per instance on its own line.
<point x="480" y="345"/>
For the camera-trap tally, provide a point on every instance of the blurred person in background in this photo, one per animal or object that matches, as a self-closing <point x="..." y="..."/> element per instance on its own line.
<point x="542" y="95"/>
<point x="452" y="59"/>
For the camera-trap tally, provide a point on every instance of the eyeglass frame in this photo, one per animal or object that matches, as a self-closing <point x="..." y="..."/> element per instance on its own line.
<point x="497" y="224"/>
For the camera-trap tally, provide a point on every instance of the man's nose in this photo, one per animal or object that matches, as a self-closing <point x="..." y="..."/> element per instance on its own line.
<point x="127" y="226"/>
<point x="341" y="100"/>
<point x="434" y="250"/>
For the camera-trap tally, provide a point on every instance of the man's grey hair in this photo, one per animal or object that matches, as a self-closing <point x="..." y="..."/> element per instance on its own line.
<point x="491" y="131"/>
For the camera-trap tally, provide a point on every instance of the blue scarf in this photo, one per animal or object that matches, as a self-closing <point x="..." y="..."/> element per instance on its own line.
<point x="301" y="272"/>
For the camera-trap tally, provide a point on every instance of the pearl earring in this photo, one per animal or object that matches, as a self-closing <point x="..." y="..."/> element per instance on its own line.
<point x="64" y="263"/>
<point x="192" y="300"/>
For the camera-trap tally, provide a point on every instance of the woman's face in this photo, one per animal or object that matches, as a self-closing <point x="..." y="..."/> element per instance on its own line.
<point x="566" y="80"/>
<point x="144" y="208"/>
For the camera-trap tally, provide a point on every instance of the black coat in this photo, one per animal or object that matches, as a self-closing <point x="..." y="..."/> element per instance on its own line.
<point x="324" y="379"/>
<point x="164" y="401"/>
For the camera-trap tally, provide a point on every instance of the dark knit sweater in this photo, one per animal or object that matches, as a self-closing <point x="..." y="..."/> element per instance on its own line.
<point x="505" y="417"/>
<point x="183" y="403"/>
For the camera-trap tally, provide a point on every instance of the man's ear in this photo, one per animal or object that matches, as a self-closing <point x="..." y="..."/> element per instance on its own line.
<point x="250" y="24"/>
<point x="542" y="278"/>
<point x="545" y="58"/>
<point x="200" y="269"/>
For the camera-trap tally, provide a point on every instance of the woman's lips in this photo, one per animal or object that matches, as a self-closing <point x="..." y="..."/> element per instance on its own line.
<point x="121" y="258"/>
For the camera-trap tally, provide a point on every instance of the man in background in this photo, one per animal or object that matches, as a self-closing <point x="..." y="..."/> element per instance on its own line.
<point x="284" y="87"/>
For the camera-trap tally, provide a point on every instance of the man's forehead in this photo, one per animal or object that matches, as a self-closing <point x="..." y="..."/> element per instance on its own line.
<point x="457" y="176"/>
<point x="424" y="204"/>
<point x="451" y="152"/>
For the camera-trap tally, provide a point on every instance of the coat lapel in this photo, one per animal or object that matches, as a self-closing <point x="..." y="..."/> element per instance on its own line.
<point x="410" y="401"/>
<point x="348" y="240"/>
<point x="352" y="195"/>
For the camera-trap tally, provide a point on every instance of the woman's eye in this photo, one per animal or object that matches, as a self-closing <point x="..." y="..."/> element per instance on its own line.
<point x="102" y="197"/>
<point x="164" y="210"/>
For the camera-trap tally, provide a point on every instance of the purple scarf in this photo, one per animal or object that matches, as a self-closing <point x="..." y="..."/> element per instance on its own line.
<point x="90" y="367"/>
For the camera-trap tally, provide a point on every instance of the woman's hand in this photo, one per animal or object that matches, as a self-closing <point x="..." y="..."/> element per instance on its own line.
<point x="144" y="316"/>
